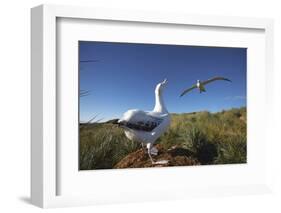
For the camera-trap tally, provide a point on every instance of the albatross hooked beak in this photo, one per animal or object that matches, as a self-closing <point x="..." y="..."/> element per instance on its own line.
<point x="165" y="81"/>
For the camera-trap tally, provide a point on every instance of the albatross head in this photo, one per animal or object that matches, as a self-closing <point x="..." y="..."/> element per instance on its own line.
<point x="159" y="88"/>
<point x="198" y="83"/>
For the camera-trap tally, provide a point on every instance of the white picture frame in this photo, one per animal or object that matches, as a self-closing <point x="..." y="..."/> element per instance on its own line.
<point x="44" y="154"/>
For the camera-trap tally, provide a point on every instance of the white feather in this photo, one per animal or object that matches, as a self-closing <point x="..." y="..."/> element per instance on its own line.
<point x="159" y="115"/>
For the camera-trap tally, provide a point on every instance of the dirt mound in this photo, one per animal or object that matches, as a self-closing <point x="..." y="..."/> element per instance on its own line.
<point x="176" y="156"/>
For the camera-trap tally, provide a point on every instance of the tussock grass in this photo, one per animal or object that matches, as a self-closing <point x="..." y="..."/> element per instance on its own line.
<point x="102" y="146"/>
<point x="212" y="138"/>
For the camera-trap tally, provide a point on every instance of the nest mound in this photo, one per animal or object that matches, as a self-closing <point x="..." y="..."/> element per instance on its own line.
<point x="176" y="156"/>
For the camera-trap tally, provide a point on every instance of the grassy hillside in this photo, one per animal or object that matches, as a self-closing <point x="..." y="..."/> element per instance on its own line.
<point x="212" y="138"/>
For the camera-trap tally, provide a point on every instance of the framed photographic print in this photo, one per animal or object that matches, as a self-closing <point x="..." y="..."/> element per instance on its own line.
<point x="129" y="106"/>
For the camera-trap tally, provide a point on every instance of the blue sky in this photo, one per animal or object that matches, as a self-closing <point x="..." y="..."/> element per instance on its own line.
<point x="125" y="75"/>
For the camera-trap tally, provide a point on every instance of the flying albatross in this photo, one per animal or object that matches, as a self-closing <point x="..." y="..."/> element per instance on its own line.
<point x="147" y="126"/>
<point x="201" y="85"/>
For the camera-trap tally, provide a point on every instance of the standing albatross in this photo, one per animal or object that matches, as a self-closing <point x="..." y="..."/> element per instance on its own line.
<point x="201" y="85"/>
<point x="147" y="126"/>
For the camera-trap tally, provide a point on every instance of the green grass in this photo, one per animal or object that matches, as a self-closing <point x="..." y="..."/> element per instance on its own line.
<point x="102" y="146"/>
<point x="213" y="138"/>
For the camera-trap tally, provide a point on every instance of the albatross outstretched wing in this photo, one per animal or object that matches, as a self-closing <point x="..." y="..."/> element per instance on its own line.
<point x="215" y="79"/>
<point x="188" y="90"/>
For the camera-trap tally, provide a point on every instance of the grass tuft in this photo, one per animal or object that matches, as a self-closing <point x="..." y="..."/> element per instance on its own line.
<point x="212" y="138"/>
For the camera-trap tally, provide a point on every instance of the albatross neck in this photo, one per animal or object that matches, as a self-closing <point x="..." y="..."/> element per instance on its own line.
<point x="159" y="103"/>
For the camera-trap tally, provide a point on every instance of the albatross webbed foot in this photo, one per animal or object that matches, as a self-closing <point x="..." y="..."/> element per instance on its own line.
<point x="154" y="151"/>
<point x="161" y="162"/>
<point x="149" y="147"/>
